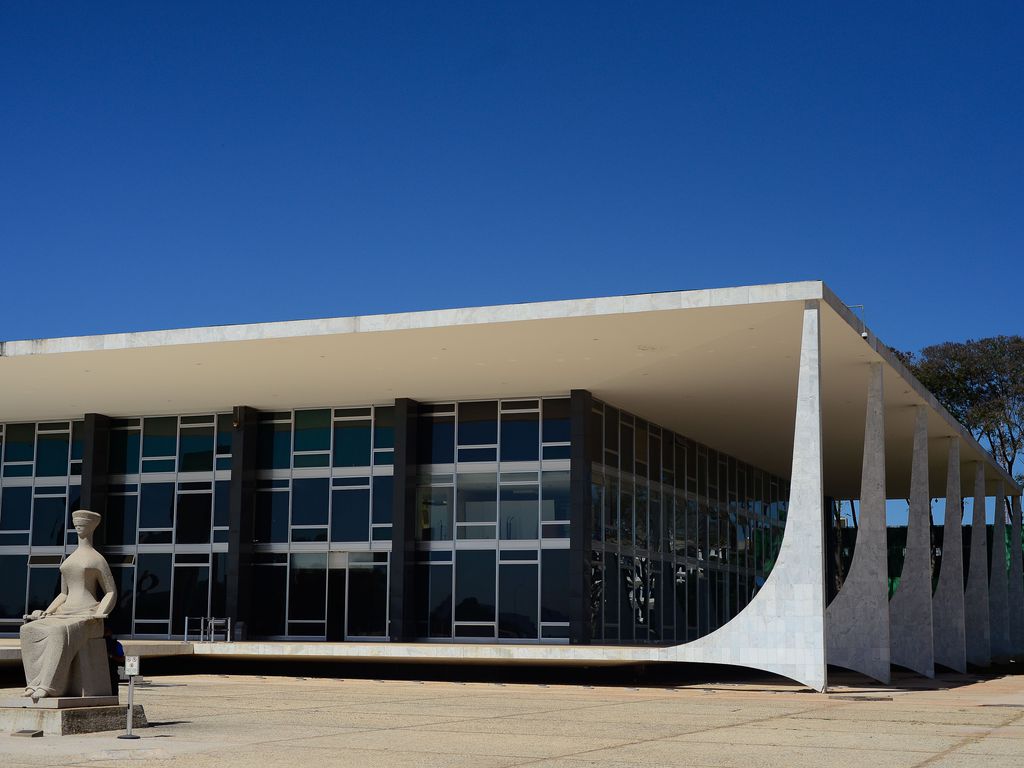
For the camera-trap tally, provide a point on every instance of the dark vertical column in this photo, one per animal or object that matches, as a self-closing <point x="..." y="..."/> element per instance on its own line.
<point x="95" y="465"/>
<point x="403" y="523"/>
<point x="580" y="519"/>
<point x="244" y="450"/>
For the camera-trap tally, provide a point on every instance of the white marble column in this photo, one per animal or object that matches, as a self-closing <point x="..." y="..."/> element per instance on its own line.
<point x="782" y="630"/>
<point x="857" y="620"/>
<point x="910" y="609"/>
<point x="998" y="611"/>
<point x="948" y="600"/>
<point x="976" y="618"/>
<point x="1015" y="594"/>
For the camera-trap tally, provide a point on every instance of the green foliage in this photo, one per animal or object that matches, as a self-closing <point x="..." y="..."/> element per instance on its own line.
<point x="982" y="384"/>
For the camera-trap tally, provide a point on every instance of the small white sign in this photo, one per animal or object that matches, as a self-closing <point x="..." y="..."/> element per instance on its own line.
<point x="131" y="666"/>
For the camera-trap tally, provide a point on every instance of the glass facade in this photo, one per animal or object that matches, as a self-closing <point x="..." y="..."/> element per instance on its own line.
<point x="492" y="520"/>
<point x="683" y="536"/>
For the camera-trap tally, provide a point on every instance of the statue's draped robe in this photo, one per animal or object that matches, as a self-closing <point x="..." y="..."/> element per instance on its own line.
<point x="49" y="645"/>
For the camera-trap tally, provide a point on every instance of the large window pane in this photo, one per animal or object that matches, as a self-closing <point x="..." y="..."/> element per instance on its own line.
<point x="153" y="587"/>
<point x="434" y="508"/>
<point x="352" y="443"/>
<point x="310" y="501"/>
<point x="517" y="601"/>
<point x="478" y="423"/>
<point x="313" y="430"/>
<point x="268" y="614"/>
<point x="120" y="621"/>
<point x="474" y="585"/>
<point x="48" y="521"/>
<point x="520" y="436"/>
<point x="195" y="454"/>
<point x="124" y="451"/>
<point x="436" y="440"/>
<point x="556" y="421"/>
<point x="191" y="596"/>
<point x="271" y="524"/>
<point x="43" y="587"/>
<point x="440" y="616"/>
<point x="350" y="515"/>
<point x="193" y="523"/>
<point x="221" y="502"/>
<point x="307" y="595"/>
<point x="518" y="512"/>
<point x="383" y="497"/>
<point x="160" y="436"/>
<point x="157" y="505"/>
<point x="554" y="594"/>
<point x="15" y="508"/>
<point x="275" y="439"/>
<point x="52" y="454"/>
<point x="13" y="578"/>
<point x="18" y="441"/>
<point x="120" y="521"/>
<point x="368" y="600"/>
<point x="477" y="498"/>
<point x="384" y="427"/>
<point x="555" y="496"/>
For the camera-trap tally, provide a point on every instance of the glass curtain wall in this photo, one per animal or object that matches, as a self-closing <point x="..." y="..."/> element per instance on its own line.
<point x="40" y="485"/>
<point x="492" y="520"/>
<point x="322" y="523"/>
<point x="165" y="529"/>
<point x="683" y="535"/>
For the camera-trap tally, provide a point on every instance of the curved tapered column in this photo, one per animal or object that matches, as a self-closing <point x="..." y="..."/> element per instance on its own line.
<point x="948" y="600"/>
<point x="976" y="618"/>
<point x="782" y="629"/>
<point x="1015" y="593"/>
<point x="857" y="620"/>
<point x="910" y="609"/>
<point x="998" y="586"/>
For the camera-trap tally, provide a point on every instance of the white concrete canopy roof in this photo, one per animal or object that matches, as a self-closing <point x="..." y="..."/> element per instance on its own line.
<point x="718" y="365"/>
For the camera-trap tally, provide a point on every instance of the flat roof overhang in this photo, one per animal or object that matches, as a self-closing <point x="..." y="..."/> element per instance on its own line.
<point x="718" y="365"/>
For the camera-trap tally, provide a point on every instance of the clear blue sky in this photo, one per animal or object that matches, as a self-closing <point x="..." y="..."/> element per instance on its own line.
<point x="183" y="164"/>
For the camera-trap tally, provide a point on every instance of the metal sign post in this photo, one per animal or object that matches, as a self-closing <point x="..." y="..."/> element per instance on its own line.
<point x="131" y="669"/>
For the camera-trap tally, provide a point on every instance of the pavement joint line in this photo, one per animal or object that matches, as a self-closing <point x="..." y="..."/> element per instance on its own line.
<point x="970" y="739"/>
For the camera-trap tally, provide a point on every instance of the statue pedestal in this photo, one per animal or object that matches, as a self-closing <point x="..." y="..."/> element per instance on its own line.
<point x="63" y="715"/>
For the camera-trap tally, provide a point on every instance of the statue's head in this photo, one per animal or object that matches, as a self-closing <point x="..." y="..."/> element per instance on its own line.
<point x="85" y="521"/>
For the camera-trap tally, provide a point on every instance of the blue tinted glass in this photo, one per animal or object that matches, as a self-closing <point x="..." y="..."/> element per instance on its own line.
<point x="556" y="421"/>
<point x="275" y="446"/>
<point x="157" y="505"/>
<point x="313" y="430"/>
<point x="43" y="586"/>
<point x="160" y="436"/>
<point x="52" y="454"/>
<point x="120" y="621"/>
<point x="153" y="587"/>
<point x="120" y="521"/>
<point x="350" y="515"/>
<point x="477" y="498"/>
<point x="191" y="595"/>
<point x="13" y="577"/>
<point x="48" y="521"/>
<point x="195" y="453"/>
<point x="15" y="508"/>
<point x="436" y="440"/>
<point x="271" y="524"/>
<point x="310" y="501"/>
<point x="554" y="496"/>
<point x="434" y="513"/>
<point x="221" y="502"/>
<point x="224" y="431"/>
<point x="517" y="601"/>
<point x="384" y="428"/>
<point x="520" y="437"/>
<point x="382" y="499"/>
<point x="77" y="440"/>
<point x="124" y="451"/>
<point x="18" y="439"/>
<point x="518" y="512"/>
<point x="478" y="423"/>
<point x="474" y="585"/>
<point x="554" y="587"/>
<point x="352" y="443"/>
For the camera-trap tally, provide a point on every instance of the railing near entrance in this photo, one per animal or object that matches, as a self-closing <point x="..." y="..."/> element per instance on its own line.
<point x="210" y="629"/>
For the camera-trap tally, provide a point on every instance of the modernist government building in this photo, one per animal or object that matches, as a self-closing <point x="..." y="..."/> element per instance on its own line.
<point x="633" y="479"/>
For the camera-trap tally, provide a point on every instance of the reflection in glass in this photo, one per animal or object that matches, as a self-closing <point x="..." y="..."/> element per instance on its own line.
<point x="153" y="586"/>
<point x="157" y="505"/>
<point x="517" y="600"/>
<point x="307" y="589"/>
<point x="518" y="512"/>
<point x="474" y="585"/>
<point x="477" y="498"/>
<point x="434" y="509"/>
<point x="48" y="521"/>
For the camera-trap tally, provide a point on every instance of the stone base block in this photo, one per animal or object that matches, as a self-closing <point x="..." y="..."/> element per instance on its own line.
<point x="62" y="722"/>
<point x="60" y="702"/>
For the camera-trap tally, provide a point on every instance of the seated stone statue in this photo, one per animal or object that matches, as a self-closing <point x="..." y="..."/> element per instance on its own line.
<point x="52" y="639"/>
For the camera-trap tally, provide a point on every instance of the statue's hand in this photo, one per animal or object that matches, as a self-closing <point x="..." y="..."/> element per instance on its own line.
<point x="98" y="615"/>
<point x="34" y="615"/>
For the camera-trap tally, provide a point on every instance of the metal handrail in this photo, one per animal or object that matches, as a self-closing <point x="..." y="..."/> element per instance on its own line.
<point x="209" y="627"/>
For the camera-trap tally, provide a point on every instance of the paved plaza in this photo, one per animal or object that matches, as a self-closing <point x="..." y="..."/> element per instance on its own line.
<point x="236" y="720"/>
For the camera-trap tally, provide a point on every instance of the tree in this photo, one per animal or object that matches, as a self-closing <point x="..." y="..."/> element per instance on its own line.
<point x="982" y="384"/>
